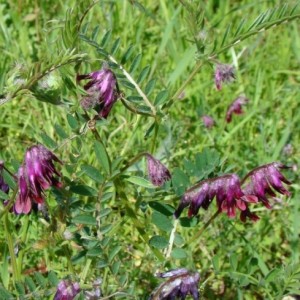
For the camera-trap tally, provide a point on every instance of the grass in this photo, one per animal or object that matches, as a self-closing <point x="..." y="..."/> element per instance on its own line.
<point x="236" y="260"/>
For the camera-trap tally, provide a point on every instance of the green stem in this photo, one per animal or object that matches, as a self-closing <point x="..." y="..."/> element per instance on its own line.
<point x="136" y="86"/>
<point x="132" y="161"/>
<point x="15" y="270"/>
<point x="171" y="239"/>
<point x="9" y="204"/>
<point x="85" y="270"/>
<point x="198" y="234"/>
<point x="25" y="226"/>
<point x="154" y="137"/>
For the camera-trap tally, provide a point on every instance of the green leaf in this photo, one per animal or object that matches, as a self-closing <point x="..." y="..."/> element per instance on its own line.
<point x="85" y="219"/>
<point x="150" y="86"/>
<point x="104" y="212"/>
<point x="93" y="173"/>
<point x="48" y="141"/>
<point x="161" y="97"/>
<point x="53" y="278"/>
<point x="95" y="252"/>
<point x="272" y="275"/>
<point x="102" y="264"/>
<point x="106" y="228"/>
<point x="83" y="190"/>
<point x="161" y="221"/>
<point x="135" y="63"/>
<point x="60" y="131"/>
<point x="20" y="288"/>
<point x="233" y="261"/>
<point x="178" y="253"/>
<point x="140" y="181"/>
<point x="95" y="32"/>
<point x="158" y="242"/>
<point x="115" y="267"/>
<point x="105" y="39"/>
<point x="102" y="156"/>
<point x="180" y="181"/>
<point x="188" y="222"/>
<point x="143" y="74"/>
<point x="164" y="209"/>
<point x="5" y="295"/>
<point x="113" y="252"/>
<point x="72" y="121"/>
<point x="127" y="54"/>
<point x="41" y="281"/>
<point x="3" y="195"/>
<point x="215" y="262"/>
<point x="115" y="46"/>
<point x="79" y="257"/>
<point x="30" y="284"/>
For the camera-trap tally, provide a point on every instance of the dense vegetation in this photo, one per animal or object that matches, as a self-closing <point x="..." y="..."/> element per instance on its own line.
<point x="107" y="226"/>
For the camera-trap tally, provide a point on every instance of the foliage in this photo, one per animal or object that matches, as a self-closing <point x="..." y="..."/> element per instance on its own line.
<point x="109" y="221"/>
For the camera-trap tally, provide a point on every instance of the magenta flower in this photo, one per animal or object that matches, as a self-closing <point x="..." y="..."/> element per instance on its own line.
<point x="158" y="173"/>
<point x="223" y="74"/>
<point x="34" y="176"/>
<point x="102" y="91"/>
<point x="66" y="290"/>
<point x="236" y="107"/>
<point x="264" y="181"/>
<point x="227" y="191"/>
<point x="3" y="185"/>
<point x="208" y="121"/>
<point x="181" y="283"/>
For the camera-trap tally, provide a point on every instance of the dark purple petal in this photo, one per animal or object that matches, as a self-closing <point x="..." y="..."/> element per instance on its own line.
<point x="34" y="176"/>
<point x="157" y="172"/>
<point x="263" y="181"/>
<point x="102" y="91"/>
<point x="223" y="74"/>
<point x="208" y="121"/>
<point x="236" y="107"/>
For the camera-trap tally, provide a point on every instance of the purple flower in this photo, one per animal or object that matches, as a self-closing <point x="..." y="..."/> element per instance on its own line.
<point x="3" y="185"/>
<point x="223" y="74"/>
<point x="158" y="173"/>
<point x="227" y="191"/>
<point x="208" y="121"/>
<point x="34" y="176"/>
<point x="102" y="91"/>
<point x="66" y="290"/>
<point x="181" y="282"/>
<point x="236" y="107"/>
<point x="264" y="181"/>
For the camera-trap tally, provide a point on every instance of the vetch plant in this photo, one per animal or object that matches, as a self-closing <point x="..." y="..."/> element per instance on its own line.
<point x="36" y="174"/>
<point x="105" y="220"/>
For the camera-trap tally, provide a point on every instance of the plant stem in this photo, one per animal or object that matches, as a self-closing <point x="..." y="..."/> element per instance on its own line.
<point x="172" y="237"/>
<point x="198" y="234"/>
<point x="136" y="86"/>
<point x="9" y="204"/>
<point x="132" y="161"/>
<point x="15" y="270"/>
<point x="154" y="137"/>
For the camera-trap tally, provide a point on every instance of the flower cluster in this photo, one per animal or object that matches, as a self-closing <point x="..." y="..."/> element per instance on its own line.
<point x="181" y="282"/>
<point x="223" y="74"/>
<point x="264" y="180"/>
<point x="101" y="91"/>
<point x="227" y="191"/>
<point x="236" y="107"/>
<point x="158" y="173"/>
<point x="66" y="290"/>
<point x="259" y="184"/>
<point x="34" y="176"/>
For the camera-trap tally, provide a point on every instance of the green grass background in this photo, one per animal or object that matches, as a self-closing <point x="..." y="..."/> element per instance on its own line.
<point x="267" y="71"/>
